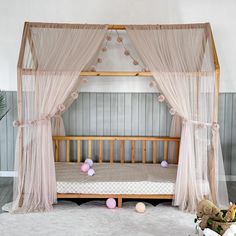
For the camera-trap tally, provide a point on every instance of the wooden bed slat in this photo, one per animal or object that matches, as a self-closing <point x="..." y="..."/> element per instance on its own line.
<point x="143" y="151"/>
<point x="133" y="151"/>
<point x="90" y="149"/>
<point x="111" y="151"/>
<point x="154" y="152"/>
<point x="121" y="196"/>
<point x="122" y="140"/>
<point x="57" y="150"/>
<point x="166" y="150"/>
<point x="68" y="150"/>
<point x="100" y="151"/>
<point x="122" y="151"/>
<point x="176" y="152"/>
<point x="78" y="151"/>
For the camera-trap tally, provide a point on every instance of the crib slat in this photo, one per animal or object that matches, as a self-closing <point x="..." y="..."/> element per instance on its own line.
<point x="166" y="150"/>
<point x="90" y="149"/>
<point x="122" y="151"/>
<point x="133" y="151"/>
<point x="78" y="151"/>
<point x="111" y="151"/>
<point x="100" y="151"/>
<point x="154" y="152"/>
<point x="57" y="150"/>
<point x="68" y="150"/>
<point x="143" y="151"/>
<point x="176" y="152"/>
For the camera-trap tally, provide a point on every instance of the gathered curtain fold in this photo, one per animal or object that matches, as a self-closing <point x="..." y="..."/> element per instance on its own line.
<point x="57" y="58"/>
<point x="181" y="61"/>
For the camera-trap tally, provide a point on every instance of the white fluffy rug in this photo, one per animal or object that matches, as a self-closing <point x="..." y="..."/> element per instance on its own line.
<point x="94" y="219"/>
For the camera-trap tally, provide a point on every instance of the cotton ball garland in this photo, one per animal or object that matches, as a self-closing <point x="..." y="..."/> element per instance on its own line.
<point x="111" y="203"/>
<point x="215" y="126"/>
<point x="172" y="111"/>
<point x="119" y="39"/>
<point x="32" y="122"/>
<point x="89" y="162"/>
<point x="126" y="52"/>
<point x="161" y="98"/>
<point x="93" y="68"/>
<point x="152" y="84"/>
<point x="99" y="60"/>
<point x="145" y="69"/>
<point x="16" y="123"/>
<point x="61" y="107"/>
<point x="104" y="49"/>
<point x="140" y="207"/>
<point x="85" y="80"/>
<point x="85" y="167"/>
<point x="108" y="38"/>
<point x="164" y="164"/>
<point x="74" y="95"/>
<point x="91" y="172"/>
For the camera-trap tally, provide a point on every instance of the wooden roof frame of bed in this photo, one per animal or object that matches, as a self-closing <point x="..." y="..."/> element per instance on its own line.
<point x="27" y="35"/>
<point x="22" y="71"/>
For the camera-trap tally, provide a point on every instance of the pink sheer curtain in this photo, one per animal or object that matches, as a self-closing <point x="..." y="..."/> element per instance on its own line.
<point x="54" y="58"/>
<point x="181" y="60"/>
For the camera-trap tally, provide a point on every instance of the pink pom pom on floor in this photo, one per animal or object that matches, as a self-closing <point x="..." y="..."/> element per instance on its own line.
<point x="111" y="203"/>
<point x="85" y="167"/>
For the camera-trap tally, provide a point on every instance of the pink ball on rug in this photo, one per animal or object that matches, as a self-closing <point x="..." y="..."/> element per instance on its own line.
<point x="164" y="164"/>
<point x="85" y="167"/>
<point x="111" y="203"/>
<point x="91" y="172"/>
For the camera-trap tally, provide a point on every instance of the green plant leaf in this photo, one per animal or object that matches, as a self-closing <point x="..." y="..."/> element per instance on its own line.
<point x="210" y="221"/>
<point x="3" y="105"/>
<point x="219" y="229"/>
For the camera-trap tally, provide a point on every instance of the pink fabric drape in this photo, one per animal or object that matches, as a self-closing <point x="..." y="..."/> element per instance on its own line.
<point x="56" y="56"/>
<point x="181" y="61"/>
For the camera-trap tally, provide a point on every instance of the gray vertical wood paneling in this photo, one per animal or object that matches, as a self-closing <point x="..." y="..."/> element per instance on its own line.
<point x="128" y="121"/>
<point x="121" y="114"/>
<point x="233" y="138"/>
<point x="228" y="133"/>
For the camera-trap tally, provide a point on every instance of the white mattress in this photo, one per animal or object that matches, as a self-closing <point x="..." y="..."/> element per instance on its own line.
<point x="116" y="178"/>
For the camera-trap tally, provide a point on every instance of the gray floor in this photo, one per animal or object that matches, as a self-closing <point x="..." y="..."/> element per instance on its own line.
<point x="6" y="191"/>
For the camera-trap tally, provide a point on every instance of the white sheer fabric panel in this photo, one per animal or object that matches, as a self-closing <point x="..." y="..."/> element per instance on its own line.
<point x="58" y="56"/>
<point x="180" y="59"/>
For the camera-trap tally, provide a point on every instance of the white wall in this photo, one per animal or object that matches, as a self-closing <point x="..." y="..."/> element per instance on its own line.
<point x="220" y="13"/>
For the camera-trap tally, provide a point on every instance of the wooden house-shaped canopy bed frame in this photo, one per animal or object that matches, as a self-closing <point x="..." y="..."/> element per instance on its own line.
<point x="182" y="60"/>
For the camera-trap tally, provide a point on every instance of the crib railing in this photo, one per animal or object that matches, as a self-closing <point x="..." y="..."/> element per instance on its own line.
<point x="112" y="139"/>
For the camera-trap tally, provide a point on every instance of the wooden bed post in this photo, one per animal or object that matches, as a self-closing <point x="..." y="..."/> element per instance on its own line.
<point x="216" y="109"/>
<point x="20" y="103"/>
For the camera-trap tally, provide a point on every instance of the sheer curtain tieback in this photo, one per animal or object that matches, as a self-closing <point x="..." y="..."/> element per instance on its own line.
<point x="28" y="123"/>
<point x="215" y="126"/>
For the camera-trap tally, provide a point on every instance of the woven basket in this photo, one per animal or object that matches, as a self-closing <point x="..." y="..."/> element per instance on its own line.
<point x="224" y="226"/>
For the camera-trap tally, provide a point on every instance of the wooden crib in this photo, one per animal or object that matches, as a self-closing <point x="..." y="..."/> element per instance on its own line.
<point x="121" y="142"/>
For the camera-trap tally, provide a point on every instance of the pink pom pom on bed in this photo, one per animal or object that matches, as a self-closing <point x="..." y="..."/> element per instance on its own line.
<point x="164" y="164"/>
<point x="91" y="172"/>
<point x="89" y="162"/>
<point x="85" y="167"/>
<point x="111" y="203"/>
